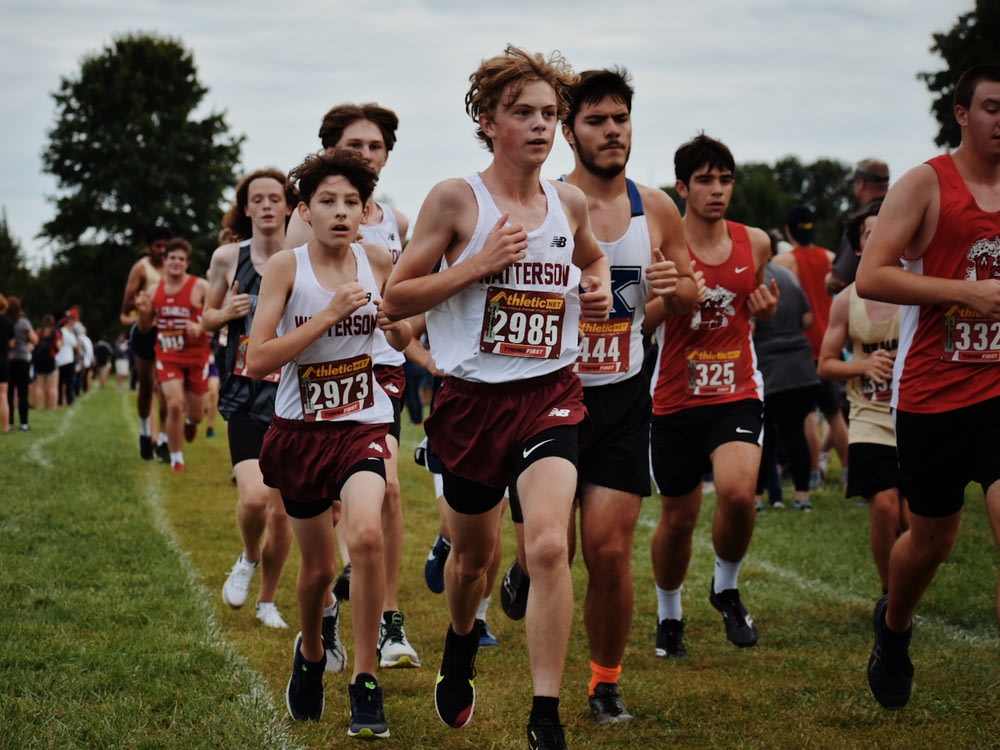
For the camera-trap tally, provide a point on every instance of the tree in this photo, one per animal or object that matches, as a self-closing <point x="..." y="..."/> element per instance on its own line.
<point x="974" y="39"/>
<point x="128" y="154"/>
<point x="14" y="275"/>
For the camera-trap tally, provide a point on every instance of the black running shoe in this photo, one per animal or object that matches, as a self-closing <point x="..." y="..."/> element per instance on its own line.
<point x="514" y="591"/>
<point x="304" y="696"/>
<point x="455" y="691"/>
<point x="670" y="639"/>
<point x="145" y="447"/>
<point x="890" y="672"/>
<point x="546" y="734"/>
<point x="607" y="707"/>
<point x="367" y="713"/>
<point x="434" y="567"/>
<point x="163" y="452"/>
<point x="739" y="624"/>
<point x="342" y="586"/>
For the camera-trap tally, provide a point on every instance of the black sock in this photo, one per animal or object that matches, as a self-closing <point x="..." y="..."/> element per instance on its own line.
<point x="544" y="707"/>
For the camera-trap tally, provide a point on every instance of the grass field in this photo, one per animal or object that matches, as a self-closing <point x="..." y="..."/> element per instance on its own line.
<point x="114" y="634"/>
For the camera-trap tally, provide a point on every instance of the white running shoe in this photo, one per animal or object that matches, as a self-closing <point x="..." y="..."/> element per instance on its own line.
<point x="236" y="589"/>
<point x="336" y="656"/>
<point x="267" y="613"/>
<point x="394" y="649"/>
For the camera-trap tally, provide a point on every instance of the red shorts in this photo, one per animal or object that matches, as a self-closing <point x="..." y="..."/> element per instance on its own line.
<point x="392" y="378"/>
<point x="477" y="429"/>
<point x="193" y="373"/>
<point x="310" y="461"/>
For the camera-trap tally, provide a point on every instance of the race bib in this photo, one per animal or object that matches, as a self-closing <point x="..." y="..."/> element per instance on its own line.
<point x="330" y="390"/>
<point x="170" y="341"/>
<point x="240" y="363"/>
<point x="872" y="391"/>
<point x="712" y="373"/>
<point x="523" y="323"/>
<point x="969" y="337"/>
<point x="604" y="346"/>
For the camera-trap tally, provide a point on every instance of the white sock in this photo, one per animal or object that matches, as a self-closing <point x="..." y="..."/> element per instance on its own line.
<point x="668" y="604"/>
<point x="146" y="427"/>
<point x="726" y="574"/>
<point x="483" y="605"/>
<point x="162" y="439"/>
<point x="176" y="458"/>
<point x="331" y="610"/>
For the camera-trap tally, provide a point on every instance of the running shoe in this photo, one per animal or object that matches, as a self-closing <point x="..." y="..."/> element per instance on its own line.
<point x="546" y="734"/>
<point x="367" y="711"/>
<point x="778" y="504"/>
<point x="145" y="447"/>
<point x="486" y="637"/>
<point x="455" y="690"/>
<point x="606" y="705"/>
<point x="434" y="567"/>
<point x="890" y="672"/>
<point x="210" y="432"/>
<point x="394" y="650"/>
<point x="267" y="613"/>
<point x="670" y="639"/>
<point x="342" y="586"/>
<point x="336" y="655"/>
<point x="739" y="624"/>
<point x="178" y="468"/>
<point x="162" y="452"/>
<point x="236" y="589"/>
<point x="304" y="695"/>
<point x="514" y="591"/>
<point x="804" y="505"/>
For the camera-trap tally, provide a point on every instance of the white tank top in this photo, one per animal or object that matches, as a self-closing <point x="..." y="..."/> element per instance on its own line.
<point x="385" y="233"/>
<point x="332" y="378"/>
<point x="520" y="323"/>
<point x="611" y="351"/>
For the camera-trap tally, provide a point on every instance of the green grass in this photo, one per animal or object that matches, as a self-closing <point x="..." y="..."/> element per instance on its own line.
<point x="114" y="634"/>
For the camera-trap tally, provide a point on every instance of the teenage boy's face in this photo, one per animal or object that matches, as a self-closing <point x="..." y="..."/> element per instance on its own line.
<point x="525" y="128"/>
<point x="175" y="263"/>
<point x="601" y="136"/>
<point x="708" y="193"/>
<point x="981" y="121"/>
<point x="157" y="250"/>
<point x="266" y="207"/>
<point x="365" y="137"/>
<point x="335" y="211"/>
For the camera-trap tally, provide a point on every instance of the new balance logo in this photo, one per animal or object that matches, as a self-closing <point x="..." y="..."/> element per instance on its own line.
<point x="375" y="447"/>
<point x="558" y="241"/>
<point x="557" y="412"/>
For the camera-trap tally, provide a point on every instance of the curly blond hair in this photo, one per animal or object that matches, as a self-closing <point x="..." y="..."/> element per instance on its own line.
<point x="507" y="74"/>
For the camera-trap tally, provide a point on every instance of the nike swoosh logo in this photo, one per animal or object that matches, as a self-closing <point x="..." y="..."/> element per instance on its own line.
<point x="741" y="269"/>
<point x="528" y="451"/>
<point x="741" y="431"/>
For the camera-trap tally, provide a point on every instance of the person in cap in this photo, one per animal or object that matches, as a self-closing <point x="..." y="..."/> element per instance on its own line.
<point x="870" y="182"/>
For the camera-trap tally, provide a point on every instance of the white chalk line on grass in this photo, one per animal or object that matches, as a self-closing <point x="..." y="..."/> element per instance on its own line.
<point x="252" y="693"/>
<point x="821" y="588"/>
<point x="36" y="451"/>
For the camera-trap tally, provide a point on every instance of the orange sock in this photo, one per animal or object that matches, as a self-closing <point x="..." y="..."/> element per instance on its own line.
<point x="603" y="674"/>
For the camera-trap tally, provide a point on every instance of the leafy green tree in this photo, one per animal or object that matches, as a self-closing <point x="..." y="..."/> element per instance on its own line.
<point x="14" y="274"/>
<point x="128" y="154"/>
<point x="974" y="39"/>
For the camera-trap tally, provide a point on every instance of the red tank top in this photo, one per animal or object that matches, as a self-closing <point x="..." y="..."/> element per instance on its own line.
<point x="951" y="355"/>
<point x="173" y="311"/>
<point x="813" y="264"/>
<point x="707" y="355"/>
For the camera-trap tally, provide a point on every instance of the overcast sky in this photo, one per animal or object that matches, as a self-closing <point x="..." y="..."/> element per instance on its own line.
<point x="771" y="78"/>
